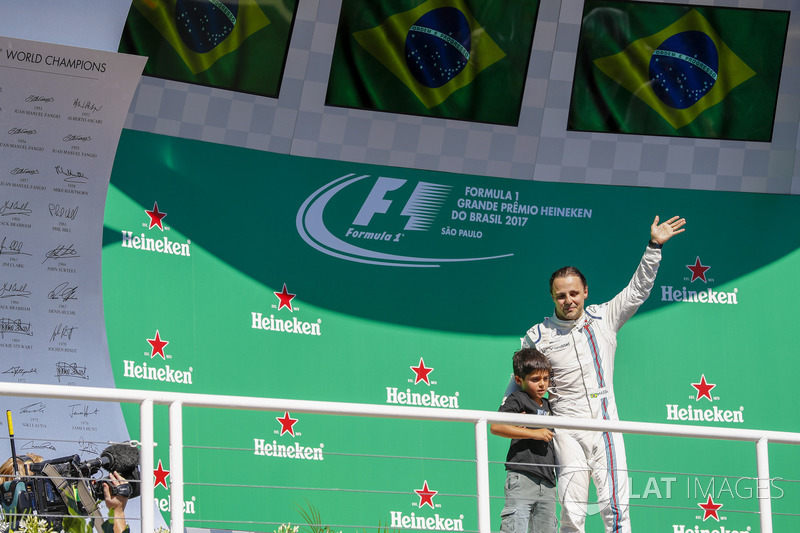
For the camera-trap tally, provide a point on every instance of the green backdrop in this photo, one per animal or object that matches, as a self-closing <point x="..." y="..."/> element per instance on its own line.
<point x="250" y="224"/>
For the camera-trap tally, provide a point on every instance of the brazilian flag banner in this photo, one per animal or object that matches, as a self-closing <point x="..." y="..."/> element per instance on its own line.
<point x="678" y="70"/>
<point x="239" y="45"/>
<point x="459" y="59"/>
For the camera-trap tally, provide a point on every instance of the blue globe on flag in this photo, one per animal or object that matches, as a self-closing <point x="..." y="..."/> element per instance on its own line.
<point x="204" y="24"/>
<point x="438" y="46"/>
<point x="684" y="68"/>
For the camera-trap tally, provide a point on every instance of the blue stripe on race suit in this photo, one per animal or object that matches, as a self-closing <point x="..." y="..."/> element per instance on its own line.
<point x="531" y="339"/>
<point x="595" y="350"/>
<point x="612" y="478"/>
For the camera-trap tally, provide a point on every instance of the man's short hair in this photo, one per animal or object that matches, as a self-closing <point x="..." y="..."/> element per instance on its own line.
<point x="565" y="272"/>
<point x="528" y="360"/>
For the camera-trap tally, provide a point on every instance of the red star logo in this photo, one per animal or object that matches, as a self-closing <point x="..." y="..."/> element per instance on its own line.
<point x="703" y="388"/>
<point x="158" y="346"/>
<point x="287" y="423"/>
<point x="422" y="372"/>
<point x="285" y="298"/>
<point x="698" y="270"/>
<point x="155" y="217"/>
<point x="426" y="495"/>
<point x="160" y="476"/>
<point x="710" y="509"/>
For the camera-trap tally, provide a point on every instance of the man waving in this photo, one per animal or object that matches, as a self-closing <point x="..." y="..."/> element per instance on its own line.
<point x="580" y="343"/>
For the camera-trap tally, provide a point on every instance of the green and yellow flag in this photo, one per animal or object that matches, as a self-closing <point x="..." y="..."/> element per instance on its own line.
<point x="231" y="44"/>
<point x="674" y="70"/>
<point x="461" y="59"/>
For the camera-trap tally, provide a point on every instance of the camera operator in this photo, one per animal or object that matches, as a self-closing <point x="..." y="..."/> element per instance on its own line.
<point x="23" y="462"/>
<point x="114" y="502"/>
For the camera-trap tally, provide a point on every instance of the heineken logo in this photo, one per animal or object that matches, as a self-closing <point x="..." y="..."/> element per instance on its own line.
<point x="704" y="389"/>
<point x="710" y="509"/>
<point x="429" y="398"/>
<point x="434" y="522"/>
<point x="680" y="528"/>
<point x="275" y="324"/>
<point x="165" y="374"/>
<point x="162" y="245"/>
<point x="288" y="451"/>
<point x="163" y="505"/>
<point x="155" y="217"/>
<point x="285" y="299"/>
<point x="160" y="476"/>
<point x="698" y="271"/>
<point x="421" y="372"/>
<point x="707" y="295"/>
<point x="293" y="450"/>
<point x="426" y="495"/>
<point x="157" y="346"/>
<point x="701" y="393"/>
<point x="287" y="423"/>
<point x="715" y="414"/>
<point x="147" y="243"/>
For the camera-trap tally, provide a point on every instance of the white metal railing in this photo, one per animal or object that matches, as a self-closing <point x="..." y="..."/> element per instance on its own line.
<point x="176" y="401"/>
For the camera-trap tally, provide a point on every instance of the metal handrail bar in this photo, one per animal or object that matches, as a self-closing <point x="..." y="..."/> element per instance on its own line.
<point x="391" y="411"/>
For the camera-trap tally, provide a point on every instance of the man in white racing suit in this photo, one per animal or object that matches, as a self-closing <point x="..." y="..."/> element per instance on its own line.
<point x="580" y="344"/>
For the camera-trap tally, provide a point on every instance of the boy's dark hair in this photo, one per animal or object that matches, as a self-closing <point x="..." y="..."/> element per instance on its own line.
<point x="529" y="360"/>
<point x="564" y="272"/>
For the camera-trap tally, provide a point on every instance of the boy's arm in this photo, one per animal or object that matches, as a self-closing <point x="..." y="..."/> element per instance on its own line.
<point x="518" y="432"/>
<point x="512" y="404"/>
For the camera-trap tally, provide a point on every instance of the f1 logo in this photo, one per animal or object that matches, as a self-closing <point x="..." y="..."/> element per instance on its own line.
<point x="376" y="202"/>
<point x="421" y="208"/>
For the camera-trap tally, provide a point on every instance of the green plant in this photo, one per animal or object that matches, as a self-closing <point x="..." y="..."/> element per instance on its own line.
<point x="76" y="523"/>
<point x="287" y="528"/>
<point x="314" y="521"/>
<point x="33" y="524"/>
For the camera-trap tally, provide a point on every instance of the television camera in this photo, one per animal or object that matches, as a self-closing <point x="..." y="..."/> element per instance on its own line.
<point x="55" y="486"/>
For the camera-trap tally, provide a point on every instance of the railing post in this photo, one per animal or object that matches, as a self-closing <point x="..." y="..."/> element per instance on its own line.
<point x="482" y="476"/>
<point x="176" y="466"/>
<point x="763" y="487"/>
<point x="146" y="459"/>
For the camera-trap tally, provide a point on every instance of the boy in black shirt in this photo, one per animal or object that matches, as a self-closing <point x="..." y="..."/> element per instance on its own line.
<point x="531" y="479"/>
